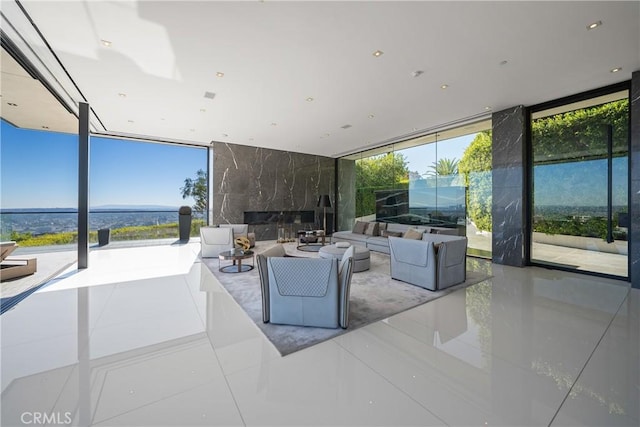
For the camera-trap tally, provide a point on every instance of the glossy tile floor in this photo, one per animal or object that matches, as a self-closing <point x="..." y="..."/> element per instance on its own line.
<point x="147" y="337"/>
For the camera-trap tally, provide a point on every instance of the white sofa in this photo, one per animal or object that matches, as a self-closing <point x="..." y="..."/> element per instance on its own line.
<point x="373" y="240"/>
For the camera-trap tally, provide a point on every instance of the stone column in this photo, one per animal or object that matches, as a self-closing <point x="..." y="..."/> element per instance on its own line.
<point x="634" y="171"/>
<point x="509" y="190"/>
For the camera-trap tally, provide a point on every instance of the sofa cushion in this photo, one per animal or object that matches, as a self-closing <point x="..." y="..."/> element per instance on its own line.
<point x="378" y="244"/>
<point x="388" y="233"/>
<point x="360" y="227"/>
<point x="372" y="229"/>
<point x="392" y="226"/>
<point x="349" y="236"/>
<point x="413" y="233"/>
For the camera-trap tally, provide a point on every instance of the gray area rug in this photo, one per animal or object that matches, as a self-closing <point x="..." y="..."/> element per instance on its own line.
<point x="374" y="296"/>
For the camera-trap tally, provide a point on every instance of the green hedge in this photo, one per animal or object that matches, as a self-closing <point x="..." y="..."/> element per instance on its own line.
<point x="591" y="227"/>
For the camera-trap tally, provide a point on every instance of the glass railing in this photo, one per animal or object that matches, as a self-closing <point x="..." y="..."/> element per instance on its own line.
<point x="50" y="227"/>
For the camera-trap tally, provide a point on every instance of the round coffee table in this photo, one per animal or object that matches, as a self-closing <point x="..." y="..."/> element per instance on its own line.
<point x="361" y="256"/>
<point x="236" y="257"/>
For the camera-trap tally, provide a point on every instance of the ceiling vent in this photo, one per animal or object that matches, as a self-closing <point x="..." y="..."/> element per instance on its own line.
<point x="209" y="95"/>
<point x="345" y="126"/>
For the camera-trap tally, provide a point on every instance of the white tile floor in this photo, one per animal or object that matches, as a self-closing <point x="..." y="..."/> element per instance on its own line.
<point x="147" y="337"/>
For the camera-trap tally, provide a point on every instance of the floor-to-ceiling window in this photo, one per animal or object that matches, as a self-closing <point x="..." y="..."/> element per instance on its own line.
<point x="441" y="179"/>
<point x="39" y="187"/>
<point x="580" y="184"/>
<point x="135" y="188"/>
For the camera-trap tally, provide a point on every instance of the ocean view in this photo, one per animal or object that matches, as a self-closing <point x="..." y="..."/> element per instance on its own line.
<point x="59" y="220"/>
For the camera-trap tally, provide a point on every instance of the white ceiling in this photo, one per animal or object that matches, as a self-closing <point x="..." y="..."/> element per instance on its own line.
<point x="274" y="55"/>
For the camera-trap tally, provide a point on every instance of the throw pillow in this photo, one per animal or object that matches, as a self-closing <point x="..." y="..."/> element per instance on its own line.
<point x="359" y="227"/>
<point x="413" y="233"/>
<point x="387" y="233"/>
<point x="372" y="229"/>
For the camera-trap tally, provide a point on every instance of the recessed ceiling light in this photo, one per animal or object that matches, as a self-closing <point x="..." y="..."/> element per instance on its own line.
<point x="122" y="95"/>
<point x="203" y="110"/>
<point x="487" y="108"/>
<point x="209" y="95"/>
<point x="444" y="86"/>
<point x="594" y="25"/>
<point x="130" y="121"/>
<point x="163" y="119"/>
<point x="345" y="126"/>
<point x="615" y="70"/>
<point x="225" y="135"/>
<point x="219" y="74"/>
<point x="417" y="73"/>
<point x="378" y="53"/>
<point x="504" y="62"/>
<point x="105" y="43"/>
<point x="12" y="104"/>
<point x="371" y="116"/>
<point x="309" y="99"/>
<point x="327" y="134"/>
<point x="274" y="124"/>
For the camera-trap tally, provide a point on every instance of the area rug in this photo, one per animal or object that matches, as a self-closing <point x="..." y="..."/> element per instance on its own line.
<point x="374" y="296"/>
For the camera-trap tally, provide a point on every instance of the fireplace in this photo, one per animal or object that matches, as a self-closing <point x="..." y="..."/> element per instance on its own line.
<point x="265" y="223"/>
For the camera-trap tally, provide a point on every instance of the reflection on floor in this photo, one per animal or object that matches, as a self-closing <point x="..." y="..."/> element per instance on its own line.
<point x="146" y="336"/>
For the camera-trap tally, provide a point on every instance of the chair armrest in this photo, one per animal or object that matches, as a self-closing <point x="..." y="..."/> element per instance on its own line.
<point x="345" y="274"/>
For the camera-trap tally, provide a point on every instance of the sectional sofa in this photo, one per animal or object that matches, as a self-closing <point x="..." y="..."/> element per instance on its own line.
<point x="374" y="235"/>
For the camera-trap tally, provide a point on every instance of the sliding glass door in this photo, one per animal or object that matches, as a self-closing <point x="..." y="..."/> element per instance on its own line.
<point x="580" y="185"/>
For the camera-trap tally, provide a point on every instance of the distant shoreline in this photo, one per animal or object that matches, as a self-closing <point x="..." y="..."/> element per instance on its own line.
<point x="124" y="208"/>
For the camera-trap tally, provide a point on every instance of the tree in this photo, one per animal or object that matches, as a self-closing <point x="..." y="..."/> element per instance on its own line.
<point x="476" y="167"/>
<point x="382" y="172"/>
<point x="196" y="188"/>
<point x="444" y="167"/>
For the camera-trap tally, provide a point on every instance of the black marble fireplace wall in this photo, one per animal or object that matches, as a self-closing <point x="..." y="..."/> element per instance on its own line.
<point x="247" y="179"/>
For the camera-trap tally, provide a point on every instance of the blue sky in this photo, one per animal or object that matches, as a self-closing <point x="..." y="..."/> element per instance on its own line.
<point x="421" y="158"/>
<point x="39" y="170"/>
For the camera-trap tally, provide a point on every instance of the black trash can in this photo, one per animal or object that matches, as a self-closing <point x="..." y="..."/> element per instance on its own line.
<point x="103" y="236"/>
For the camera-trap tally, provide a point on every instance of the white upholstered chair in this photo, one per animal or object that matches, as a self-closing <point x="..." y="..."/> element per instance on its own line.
<point x="241" y="230"/>
<point x="214" y="240"/>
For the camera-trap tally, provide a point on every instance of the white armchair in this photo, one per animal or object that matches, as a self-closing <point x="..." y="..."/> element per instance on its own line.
<point x="305" y="291"/>
<point x="241" y="230"/>
<point x="214" y="240"/>
<point x="436" y="262"/>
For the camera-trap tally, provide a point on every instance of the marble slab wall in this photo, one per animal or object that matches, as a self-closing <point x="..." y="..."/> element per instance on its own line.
<point x="249" y="178"/>
<point x="508" y="209"/>
<point x="634" y="208"/>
